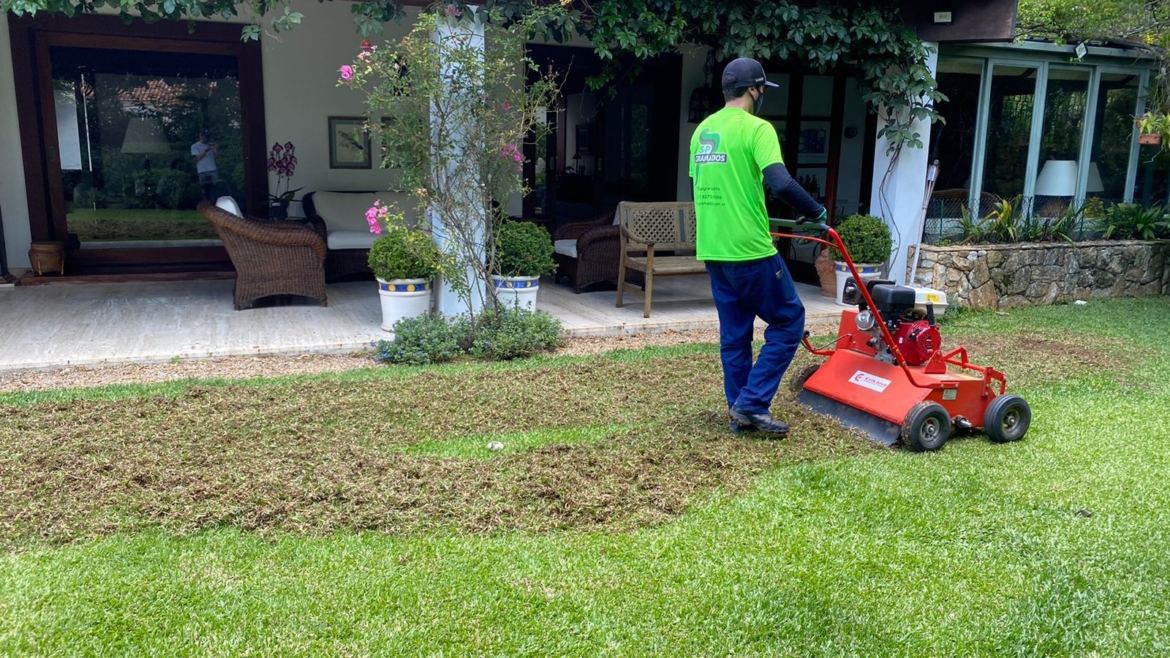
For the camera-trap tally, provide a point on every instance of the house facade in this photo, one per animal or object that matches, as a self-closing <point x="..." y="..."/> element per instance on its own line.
<point x="98" y="120"/>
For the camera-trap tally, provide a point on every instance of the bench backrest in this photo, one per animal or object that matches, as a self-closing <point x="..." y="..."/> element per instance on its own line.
<point x="670" y="225"/>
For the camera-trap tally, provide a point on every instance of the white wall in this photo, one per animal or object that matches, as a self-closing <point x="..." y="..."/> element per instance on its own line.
<point x="899" y="201"/>
<point x="301" y="93"/>
<point x="13" y="200"/>
<point x="694" y="57"/>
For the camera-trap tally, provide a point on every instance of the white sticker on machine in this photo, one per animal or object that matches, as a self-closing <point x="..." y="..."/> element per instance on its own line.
<point x="872" y="382"/>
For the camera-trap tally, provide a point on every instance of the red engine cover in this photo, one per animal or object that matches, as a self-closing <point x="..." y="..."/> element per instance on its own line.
<point x="918" y="341"/>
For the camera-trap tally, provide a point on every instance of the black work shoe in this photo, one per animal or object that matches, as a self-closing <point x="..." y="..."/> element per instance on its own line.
<point x="763" y="422"/>
<point x="738" y="429"/>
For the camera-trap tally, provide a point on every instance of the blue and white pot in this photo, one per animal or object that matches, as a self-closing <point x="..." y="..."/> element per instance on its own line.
<point x="867" y="272"/>
<point x="516" y="291"/>
<point x="403" y="298"/>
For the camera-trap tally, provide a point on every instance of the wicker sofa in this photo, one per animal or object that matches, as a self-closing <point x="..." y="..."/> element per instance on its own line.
<point x="588" y="252"/>
<point x="340" y="218"/>
<point x="271" y="257"/>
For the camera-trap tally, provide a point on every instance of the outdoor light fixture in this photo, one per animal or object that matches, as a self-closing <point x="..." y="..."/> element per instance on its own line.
<point x="705" y="98"/>
<point x="943" y="18"/>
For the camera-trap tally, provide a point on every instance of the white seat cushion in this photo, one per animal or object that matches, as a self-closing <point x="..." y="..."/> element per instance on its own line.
<point x="566" y="248"/>
<point x="228" y="204"/>
<point x="346" y="211"/>
<point x="350" y="239"/>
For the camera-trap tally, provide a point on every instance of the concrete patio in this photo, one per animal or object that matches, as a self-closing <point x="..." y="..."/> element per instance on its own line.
<point x="51" y="326"/>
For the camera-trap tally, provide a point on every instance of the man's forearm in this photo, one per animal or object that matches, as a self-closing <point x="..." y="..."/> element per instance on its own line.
<point x="776" y="176"/>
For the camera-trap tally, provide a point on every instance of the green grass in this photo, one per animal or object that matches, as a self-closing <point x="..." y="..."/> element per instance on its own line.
<point x="1054" y="546"/>
<point x="105" y="224"/>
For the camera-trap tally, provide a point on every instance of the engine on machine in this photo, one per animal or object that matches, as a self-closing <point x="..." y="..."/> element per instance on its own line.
<point x="909" y="314"/>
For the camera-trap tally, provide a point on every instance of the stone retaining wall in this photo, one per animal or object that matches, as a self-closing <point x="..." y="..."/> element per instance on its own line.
<point x="1010" y="275"/>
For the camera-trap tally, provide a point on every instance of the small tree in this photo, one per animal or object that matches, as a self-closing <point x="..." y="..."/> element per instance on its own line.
<point x="459" y="103"/>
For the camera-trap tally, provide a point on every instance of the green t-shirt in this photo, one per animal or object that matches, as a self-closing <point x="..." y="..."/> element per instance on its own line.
<point x="729" y="152"/>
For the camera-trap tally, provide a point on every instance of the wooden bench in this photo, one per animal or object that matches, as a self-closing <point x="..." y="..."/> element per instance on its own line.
<point x="647" y="231"/>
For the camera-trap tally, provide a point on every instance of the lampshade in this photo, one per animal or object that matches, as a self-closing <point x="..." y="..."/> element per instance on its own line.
<point x="1057" y="178"/>
<point x="1095" y="184"/>
<point x="144" y="135"/>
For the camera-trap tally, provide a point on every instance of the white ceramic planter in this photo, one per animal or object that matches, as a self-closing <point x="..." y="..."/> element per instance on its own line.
<point x="403" y="298"/>
<point x="516" y="290"/>
<point x="867" y="272"/>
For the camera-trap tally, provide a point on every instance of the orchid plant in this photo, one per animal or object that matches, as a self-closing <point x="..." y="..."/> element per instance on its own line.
<point x="282" y="160"/>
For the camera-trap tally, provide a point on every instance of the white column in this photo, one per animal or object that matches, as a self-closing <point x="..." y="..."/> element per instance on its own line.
<point x="13" y="195"/>
<point x="898" y="193"/>
<point x="448" y="301"/>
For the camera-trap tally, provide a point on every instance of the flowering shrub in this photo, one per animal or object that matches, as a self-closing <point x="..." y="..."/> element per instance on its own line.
<point x="282" y="160"/>
<point x="462" y="102"/>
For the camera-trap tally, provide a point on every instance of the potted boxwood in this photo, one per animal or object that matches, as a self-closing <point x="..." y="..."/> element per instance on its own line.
<point x="869" y="243"/>
<point x="405" y="262"/>
<point x="524" y="253"/>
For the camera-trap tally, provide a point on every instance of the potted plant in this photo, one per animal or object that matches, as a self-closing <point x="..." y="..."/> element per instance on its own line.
<point x="405" y="262"/>
<point x="282" y="161"/>
<point x="1153" y="127"/>
<point x="524" y="253"/>
<point x="869" y="243"/>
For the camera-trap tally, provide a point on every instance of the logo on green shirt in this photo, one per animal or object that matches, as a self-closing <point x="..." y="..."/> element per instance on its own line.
<point x="708" y="142"/>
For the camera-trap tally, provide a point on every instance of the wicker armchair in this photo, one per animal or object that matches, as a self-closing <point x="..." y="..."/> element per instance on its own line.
<point x="271" y="257"/>
<point x="588" y="251"/>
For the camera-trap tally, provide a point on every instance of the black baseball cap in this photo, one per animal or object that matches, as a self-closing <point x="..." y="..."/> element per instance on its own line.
<point x="205" y="133"/>
<point x="745" y="72"/>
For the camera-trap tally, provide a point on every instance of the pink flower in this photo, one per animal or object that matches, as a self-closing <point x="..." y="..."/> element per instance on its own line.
<point x="507" y="106"/>
<point x="452" y="10"/>
<point x="347" y="72"/>
<point x="271" y="164"/>
<point x="516" y="157"/>
<point x="277" y="148"/>
<point x="288" y="146"/>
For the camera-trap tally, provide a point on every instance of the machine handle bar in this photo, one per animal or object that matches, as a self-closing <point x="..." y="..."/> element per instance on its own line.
<point x="863" y="289"/>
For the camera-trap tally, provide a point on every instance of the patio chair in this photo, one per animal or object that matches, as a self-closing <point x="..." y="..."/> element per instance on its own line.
<point x="271" y="257"/>
<point x="587" y="251"/>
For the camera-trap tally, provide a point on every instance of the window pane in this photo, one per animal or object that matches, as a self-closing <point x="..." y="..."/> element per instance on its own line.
<point x="1060" y="143"/>
<point x="128" y="125"/>
<point x="1009" y="129"/>
<point x="953" y="143"/>
<point x="1109" y="164"/>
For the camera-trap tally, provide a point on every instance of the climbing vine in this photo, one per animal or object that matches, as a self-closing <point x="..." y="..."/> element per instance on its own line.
<point x="871" y="38"/>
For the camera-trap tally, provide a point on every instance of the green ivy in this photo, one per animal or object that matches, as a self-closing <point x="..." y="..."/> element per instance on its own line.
<point x="872" y="39"/>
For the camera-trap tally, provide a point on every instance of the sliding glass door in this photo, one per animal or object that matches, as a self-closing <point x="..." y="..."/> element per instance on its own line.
<point x="130" y="125"/>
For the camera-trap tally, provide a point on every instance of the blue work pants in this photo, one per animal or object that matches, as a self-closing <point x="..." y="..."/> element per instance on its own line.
<point x="744" y="291"/>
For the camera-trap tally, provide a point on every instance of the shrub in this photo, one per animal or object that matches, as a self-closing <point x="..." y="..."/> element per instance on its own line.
<point x="405" y="254"/>
<point x="499" y="334"/>
<point x="867" y="238"/>
<point x="514" y="333"/>
<point x="1130" y="221"/>
<point x="523" y="249"/>
<point x="423" y="340"/>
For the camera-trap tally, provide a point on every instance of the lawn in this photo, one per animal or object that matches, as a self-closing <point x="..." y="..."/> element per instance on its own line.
<point x="107" y="224"/>
<point x="362" y="513"/>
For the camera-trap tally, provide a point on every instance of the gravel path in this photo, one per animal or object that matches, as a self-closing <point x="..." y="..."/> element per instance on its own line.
<point x="275" y="366"/>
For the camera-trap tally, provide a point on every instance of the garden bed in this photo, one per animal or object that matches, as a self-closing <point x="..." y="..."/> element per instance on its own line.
<point x="1013" y="275"/>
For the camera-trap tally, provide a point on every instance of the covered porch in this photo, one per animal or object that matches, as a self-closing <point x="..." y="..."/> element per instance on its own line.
<point x="52" y="326"/>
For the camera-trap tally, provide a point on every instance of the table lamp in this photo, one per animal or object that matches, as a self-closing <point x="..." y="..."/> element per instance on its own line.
<point x="1057" y="179"/>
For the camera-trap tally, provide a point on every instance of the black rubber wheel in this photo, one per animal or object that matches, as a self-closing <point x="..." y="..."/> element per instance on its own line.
<point x="797" y="383"/>
<point x="927" y="427"/>
<point x="1007" y="418"/>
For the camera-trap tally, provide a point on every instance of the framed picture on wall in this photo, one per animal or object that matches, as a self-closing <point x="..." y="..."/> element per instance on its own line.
<point x="349" y="143"/>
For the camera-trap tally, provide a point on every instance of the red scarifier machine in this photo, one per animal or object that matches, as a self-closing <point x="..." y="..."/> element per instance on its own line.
<point x="887" y="374"/>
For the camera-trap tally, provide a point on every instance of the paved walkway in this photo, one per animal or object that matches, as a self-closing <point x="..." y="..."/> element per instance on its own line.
<point x="53" y="326"/>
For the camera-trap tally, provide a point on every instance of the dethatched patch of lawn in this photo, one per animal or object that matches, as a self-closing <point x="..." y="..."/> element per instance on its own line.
<point x="614" y="442"/>
<point x="596" y="442"/>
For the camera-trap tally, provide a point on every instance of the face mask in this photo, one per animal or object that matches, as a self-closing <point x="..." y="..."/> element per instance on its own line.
<point x="758" y="103"/>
